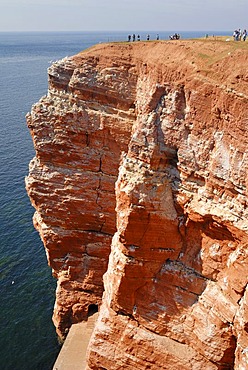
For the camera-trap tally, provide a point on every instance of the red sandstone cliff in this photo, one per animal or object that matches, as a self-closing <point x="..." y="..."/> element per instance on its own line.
<point x="140" y="181"/>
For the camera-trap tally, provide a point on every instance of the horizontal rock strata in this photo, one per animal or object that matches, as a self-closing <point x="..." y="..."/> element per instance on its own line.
<point x="140" y="188"/>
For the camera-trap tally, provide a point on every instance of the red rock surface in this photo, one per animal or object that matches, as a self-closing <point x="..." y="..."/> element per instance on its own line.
<point x="140" y="180"/>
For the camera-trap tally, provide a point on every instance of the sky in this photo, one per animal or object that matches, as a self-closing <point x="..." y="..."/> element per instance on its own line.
<point x="123" y="15"/>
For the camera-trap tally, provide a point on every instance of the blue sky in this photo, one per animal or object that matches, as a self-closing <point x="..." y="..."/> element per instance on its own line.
<point x="89" y="15"/>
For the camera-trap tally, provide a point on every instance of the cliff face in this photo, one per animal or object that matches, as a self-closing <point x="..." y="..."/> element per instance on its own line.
<point x="140" y="181"/>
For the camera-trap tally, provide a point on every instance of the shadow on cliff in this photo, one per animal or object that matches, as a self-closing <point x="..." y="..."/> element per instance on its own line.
<point x="172" y="300"/>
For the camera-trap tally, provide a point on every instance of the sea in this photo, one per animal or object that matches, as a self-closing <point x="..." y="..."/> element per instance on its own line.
<point x="28" y="339"/>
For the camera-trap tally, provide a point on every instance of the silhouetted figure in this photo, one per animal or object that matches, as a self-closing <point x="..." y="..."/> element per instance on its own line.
<point x="133" y="37"/>
<point x="244" y="35"/>
<point x="236" y="35"/>
<point x="138" y="38"/>
<point x="157" y="36"/>
<point x="176" y="36"/>
<point x="129" y="38"/>
<point x="148" y="37"/>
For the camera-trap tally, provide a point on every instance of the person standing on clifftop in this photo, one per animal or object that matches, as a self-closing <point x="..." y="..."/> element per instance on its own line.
<point x="236" y="35"/>
<point x="244" y="35"/>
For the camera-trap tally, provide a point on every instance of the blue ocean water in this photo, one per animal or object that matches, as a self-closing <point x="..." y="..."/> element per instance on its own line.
<point x="27" y="336"/>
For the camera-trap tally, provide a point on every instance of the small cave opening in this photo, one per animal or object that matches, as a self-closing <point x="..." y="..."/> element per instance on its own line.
<point x="93" y="308"/>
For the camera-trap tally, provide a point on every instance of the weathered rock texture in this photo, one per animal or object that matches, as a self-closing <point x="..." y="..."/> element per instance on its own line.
<point x="141" y="149"/>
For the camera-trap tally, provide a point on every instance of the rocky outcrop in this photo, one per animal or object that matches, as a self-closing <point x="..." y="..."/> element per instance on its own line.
<point x="140" y="181"/>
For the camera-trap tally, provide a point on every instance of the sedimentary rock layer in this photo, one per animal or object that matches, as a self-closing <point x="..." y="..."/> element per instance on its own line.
<point x="140" y="180"/>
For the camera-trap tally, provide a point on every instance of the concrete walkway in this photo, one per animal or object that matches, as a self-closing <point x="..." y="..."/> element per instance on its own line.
<point x="72" y="355"/>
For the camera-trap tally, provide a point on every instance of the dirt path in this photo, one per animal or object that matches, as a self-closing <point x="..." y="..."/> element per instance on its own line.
<point x="73" y="352"/>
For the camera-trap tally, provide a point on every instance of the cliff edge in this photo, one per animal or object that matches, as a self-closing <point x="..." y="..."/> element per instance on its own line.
<point x="140" y="189"/>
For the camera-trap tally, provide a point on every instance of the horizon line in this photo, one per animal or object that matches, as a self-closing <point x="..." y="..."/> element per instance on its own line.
<point x="127" y="31"/>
